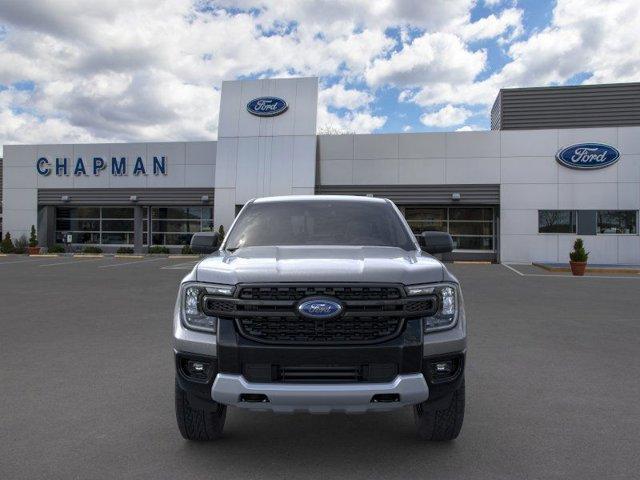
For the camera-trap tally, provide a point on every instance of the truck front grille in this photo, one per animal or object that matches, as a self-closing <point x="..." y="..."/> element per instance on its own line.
<point x="371" y="313"/>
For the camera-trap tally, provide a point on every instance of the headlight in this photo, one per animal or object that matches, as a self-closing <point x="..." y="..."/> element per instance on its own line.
<point x="191" y="305"/>
<point x="447" y="314"/>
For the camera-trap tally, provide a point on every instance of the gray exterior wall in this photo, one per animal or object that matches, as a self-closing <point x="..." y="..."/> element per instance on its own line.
<point x="0" y="196"/>
<point x="415" y="167"/>
<point x="567" y="107"/>
<point x="263" y="156"/>
<point x="189" y="165"/>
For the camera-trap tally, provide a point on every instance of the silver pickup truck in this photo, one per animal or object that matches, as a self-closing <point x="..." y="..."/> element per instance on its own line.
<point x="320" y="304"/>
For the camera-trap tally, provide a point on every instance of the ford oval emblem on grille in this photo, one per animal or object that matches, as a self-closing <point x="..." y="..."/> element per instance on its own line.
<point x="320" y="308"/>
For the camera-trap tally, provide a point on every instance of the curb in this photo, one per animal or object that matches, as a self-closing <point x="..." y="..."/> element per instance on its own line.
<point x="88" y="255"/>
<point x="183" y="256"/>
<point x="127" y="255"/>
<point x="45" y="255"/>
<point x="472" y="262"/>
<point x="589" y="269"/>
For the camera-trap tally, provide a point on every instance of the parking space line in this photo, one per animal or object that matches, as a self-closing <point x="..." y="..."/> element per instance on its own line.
<point x="73" y="262"/>
<point x="513" y="269"/>
<point x="129" y="263"/>
<point x="34" y="260"/>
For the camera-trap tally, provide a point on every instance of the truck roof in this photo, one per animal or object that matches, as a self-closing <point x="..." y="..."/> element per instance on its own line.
<point x="320" y="198"/>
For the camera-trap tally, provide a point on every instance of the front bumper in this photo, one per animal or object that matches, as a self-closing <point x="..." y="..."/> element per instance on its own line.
<point x="243" y="366"/>
<point x="320" y="398"/>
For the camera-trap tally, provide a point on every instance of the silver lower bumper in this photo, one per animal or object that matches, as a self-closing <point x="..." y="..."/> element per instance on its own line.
<point x="320" y="398"/>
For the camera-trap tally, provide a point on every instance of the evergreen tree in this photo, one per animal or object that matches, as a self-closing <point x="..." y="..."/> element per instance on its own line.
<point x="7" y="244"/>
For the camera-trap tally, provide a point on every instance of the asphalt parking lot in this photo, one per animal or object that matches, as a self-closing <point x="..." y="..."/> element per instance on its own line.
<point x="86" y="385"/>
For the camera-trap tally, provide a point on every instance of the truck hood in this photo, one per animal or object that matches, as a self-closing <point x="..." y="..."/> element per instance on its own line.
<point x="319" y="264"/>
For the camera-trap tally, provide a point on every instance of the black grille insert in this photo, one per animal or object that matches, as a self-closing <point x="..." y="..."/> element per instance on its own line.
<point x="298" y="292"/>
<point x="336" y="330"/>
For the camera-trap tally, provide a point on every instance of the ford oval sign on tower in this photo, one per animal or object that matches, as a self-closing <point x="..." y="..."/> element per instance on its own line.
<point x="267" y="106"/>
<point x="588" y="156"/>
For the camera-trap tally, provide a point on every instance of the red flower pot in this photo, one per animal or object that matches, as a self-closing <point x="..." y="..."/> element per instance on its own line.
<point x="33" y="250"/>
<point x="578" y="268"/>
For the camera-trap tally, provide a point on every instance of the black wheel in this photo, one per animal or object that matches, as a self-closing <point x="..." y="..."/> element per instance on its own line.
<point x="442" y="424"/>
<point x="197" y="419"/>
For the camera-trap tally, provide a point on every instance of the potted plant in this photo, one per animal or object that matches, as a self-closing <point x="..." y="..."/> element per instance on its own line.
<point x="578" y="258"/>
<point x="33" y="249"/>
<point x="20" y="245"/>
<point x="7" y="244"/>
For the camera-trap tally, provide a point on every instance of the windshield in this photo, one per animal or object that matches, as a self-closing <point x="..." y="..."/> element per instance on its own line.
<point x="314" y="222"/>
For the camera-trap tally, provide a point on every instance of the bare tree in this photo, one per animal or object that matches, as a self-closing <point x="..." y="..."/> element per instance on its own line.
<point x="331" y="129"/>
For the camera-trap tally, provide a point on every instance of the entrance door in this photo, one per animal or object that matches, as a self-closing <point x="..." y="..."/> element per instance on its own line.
<point x="471" y="227"/>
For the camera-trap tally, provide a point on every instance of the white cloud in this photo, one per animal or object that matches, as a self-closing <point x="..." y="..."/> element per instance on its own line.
<point x="508" y="22"/>
<point x="432" y="57"/>
<point x="351" y="122"/>
<point x="340" y="97"/>
<point x="596" y="38"/>
<point x="407" y="128"/>
<point x="447" y="116"/>
<point x="357" y="119"/>
<point x="469" y="128"/>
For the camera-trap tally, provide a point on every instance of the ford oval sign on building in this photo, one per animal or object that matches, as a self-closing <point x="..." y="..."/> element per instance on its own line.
<point x="320" y="308"/>
<point x="267" y="106"/>
<point x="588" y="156"/>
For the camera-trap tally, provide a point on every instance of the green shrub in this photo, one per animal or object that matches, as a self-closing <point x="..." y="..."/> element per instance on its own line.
<point x="125" y="250"/>
<point x="91" y="249"/>
<point x="158" y="249"/>
<point x="57" y="248"/>
<point x="20" y="245"/>
<point x="579" y="254"/>
<point x="33" y="238"/>
<point x="7" y="244"/>
<point x="186" y="250"/>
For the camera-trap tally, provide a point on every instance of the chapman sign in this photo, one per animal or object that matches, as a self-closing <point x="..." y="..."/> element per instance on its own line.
<point x="267" y="106"/>
<point x="118" y="166"/>
<point x="588" y="156"/>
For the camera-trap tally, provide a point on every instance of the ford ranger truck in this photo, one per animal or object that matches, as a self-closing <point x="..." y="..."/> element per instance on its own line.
<point x="320" y="304"/>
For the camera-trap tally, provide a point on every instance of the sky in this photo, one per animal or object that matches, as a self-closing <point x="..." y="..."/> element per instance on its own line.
<point x="77" y="71"/>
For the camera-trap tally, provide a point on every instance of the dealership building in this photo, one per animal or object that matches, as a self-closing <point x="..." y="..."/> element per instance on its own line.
<point x="559" y="162"/>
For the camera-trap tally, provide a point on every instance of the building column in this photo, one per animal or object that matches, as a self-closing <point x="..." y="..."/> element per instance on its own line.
<point x="46" y="228"/>
<point x="138" y="225"/>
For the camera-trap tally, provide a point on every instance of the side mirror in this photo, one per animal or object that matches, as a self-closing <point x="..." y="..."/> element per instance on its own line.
<point x="205" y="242"/>
<point x="436" y="242"/>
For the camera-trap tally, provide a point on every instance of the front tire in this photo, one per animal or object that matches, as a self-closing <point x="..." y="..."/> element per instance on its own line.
<point x="444" y="424"/>
<point x="197" y="419"/>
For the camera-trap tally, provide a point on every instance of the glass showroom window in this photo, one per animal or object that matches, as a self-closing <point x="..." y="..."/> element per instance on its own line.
<point x="176" y="225"/>
<point x="618" y="221"/>
<point x="117" y="226"/>
<point x="95" y="225"/>
<point x="556" y="221"/>
<point x="470" y="227"/>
